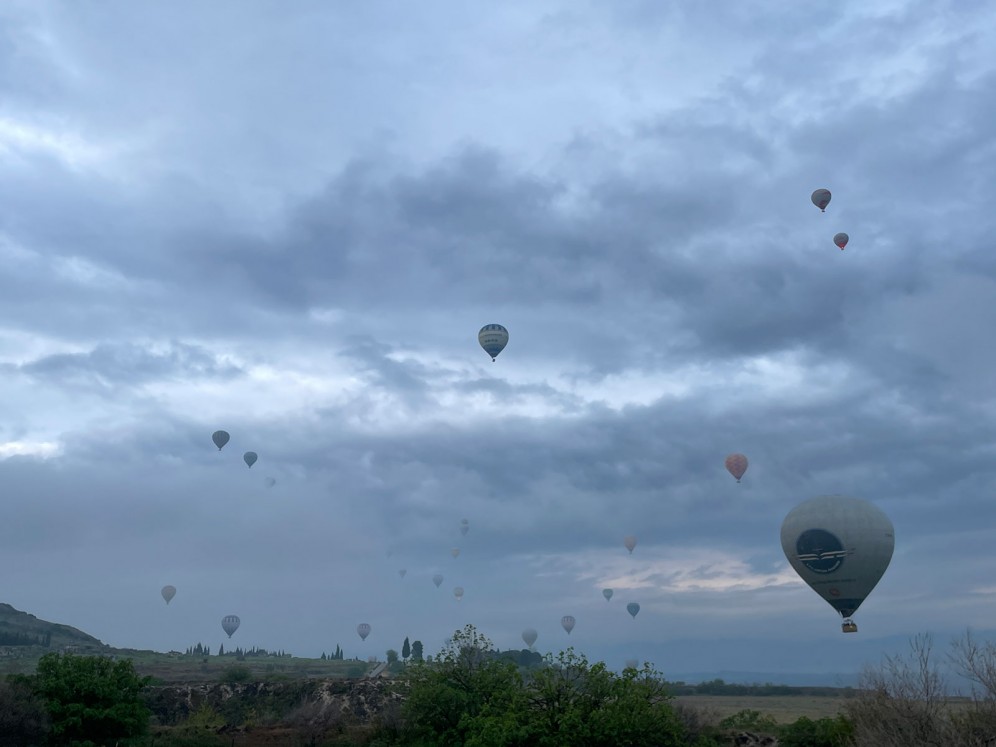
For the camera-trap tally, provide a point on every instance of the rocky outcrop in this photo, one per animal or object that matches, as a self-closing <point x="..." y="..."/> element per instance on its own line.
<point x="749" y="739"/>
<point x="236" y="705"/>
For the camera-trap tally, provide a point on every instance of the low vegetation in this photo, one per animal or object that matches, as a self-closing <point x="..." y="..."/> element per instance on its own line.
<point x="471" y="694"/>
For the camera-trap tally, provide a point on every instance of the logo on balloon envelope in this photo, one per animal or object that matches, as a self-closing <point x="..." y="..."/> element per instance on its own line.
<point x="820" y="551"/>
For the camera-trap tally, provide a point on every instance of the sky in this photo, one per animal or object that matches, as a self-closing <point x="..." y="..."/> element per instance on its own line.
<point x="290" y="222"/>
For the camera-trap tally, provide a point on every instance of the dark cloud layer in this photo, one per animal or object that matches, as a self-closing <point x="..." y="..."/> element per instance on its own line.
<point x="217" y="218"/>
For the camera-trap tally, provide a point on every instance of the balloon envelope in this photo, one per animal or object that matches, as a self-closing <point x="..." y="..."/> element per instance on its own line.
<point x="464" y="529"/>
<point x="458" y="593"/>
<point x="633" y="608"/>
<point x="630" y="543"/>
<point x="567" y="621"/>
<point x="168" y="593"/>
<point x="493" y="338"/>
<point x="821" y="198"/>
<point x="607" y="593"/>
<point x="437" y="580"/>
<point x="455" y="551"/>
<point x="220" y="438"/>
<point x="364" y="630"/>
<point x="230" y="623"/>
<point x="841" y="240"/>
<point x="402" y="572"/>
<point x="736" y="465"/>
<point x="250" y="458"/>
<point x="840" y="546"/>
<point x="529" y="636"/>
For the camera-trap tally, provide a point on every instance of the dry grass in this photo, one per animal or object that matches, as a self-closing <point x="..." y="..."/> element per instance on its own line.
<point x="783" y="708"/>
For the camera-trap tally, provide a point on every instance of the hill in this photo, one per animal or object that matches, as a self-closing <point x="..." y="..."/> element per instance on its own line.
<point x="21" y="632"/>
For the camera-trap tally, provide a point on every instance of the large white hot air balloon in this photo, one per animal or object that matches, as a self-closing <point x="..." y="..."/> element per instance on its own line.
<point x="230" y="623"/>
<point x="630" y="543"/>
<point x="168" y="593"/>
<point x="567" y="621"/>
<point x="529" y="636"/>
<point x="841" y="547"/>
<point x="607" y="593"/>
<point x="493" y="338"/>
<point x="220" y="438"/>
<point x="363" y="629"/>
<point x="821" y="198"/>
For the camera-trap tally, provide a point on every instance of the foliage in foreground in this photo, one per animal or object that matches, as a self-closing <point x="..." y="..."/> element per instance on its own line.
<point x="89" y="699"/>
<point x="468" y="696"/>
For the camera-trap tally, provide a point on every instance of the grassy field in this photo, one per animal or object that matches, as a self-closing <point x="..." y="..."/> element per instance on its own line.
<point x="783" y="708"/>
<point x="192" y="669"/>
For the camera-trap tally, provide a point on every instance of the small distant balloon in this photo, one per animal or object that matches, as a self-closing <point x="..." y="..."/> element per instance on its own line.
<point x="493" y="338"/>
<point x="632" y="663"/>
<point x="567" y="621"/>
<point x="736" y="465"/>
<point x="168" y="593"/>
<point x="630" y="543"/>
<point x="220" y="438"/>
<point x="458" y="593"/>
<point x="230" y="623"/>
<point x="821" y="198"/>
<point x="464" y="529"/>
<point x="455" y="551"/>
<point x="841" y="240"/>
<point x="250" y="458"/>
<point x="402" y="572"/>
<point x="633" y="608"/>
<point x="529" y="636"/>
<point x="607" y="593"/>
<point x="437" y="580"/>
<point x="364" y="630"/>
<point x="269" y="482"/>
<point x="464" y="521"/>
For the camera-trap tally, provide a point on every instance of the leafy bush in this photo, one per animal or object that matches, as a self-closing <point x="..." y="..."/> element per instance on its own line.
<point x="748" y="720"/>
<point x="236" y="674"/>
<point x="824" y="732"/>
<point x="91" y="699"/>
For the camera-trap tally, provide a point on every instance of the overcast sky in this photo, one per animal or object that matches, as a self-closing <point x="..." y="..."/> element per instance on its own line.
<point x="290" y="220"/>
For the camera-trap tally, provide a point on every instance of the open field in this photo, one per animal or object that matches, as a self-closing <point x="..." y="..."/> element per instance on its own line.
<point x="783" y="708"/>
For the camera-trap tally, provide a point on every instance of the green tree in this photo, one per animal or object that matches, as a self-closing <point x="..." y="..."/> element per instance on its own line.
<point x="824" y="732"/>
<point x="221" y="650"/>
<point x="91" y="699"/>
<point x="417" y="651"/>
<point x="406" y="649"/>
<point x="392" y="656"/>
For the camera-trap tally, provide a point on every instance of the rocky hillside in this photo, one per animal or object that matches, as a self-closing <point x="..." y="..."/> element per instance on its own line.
<point x="20" y="629"/>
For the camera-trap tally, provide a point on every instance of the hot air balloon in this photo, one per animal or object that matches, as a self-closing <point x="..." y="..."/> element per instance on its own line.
<point x="567" y="621"/>
<point x="437" y="580"/>
<point x="269" y="482"/>
<point x="220" y="438"/>
<point x="464" y="529"/>
<point x="840" y="546"/>
<point x="455" y="551"/>
<point x="458" y="593"/>
<point x="607" y="593"/>
<point x="464" y="521"/>
<point x="250" y="458"/>
<point x="364" y="630"/>
<point x="840" y="240"/>
<point x="736" y="465"/>
<point x="632" y="663"/>
<point x="633" y="608"/>
<point x="493" y="338"/>
<point x="821" y="198"/>
<point x="529" y="636"/>
<point x="402" y="572"/>
<point x="230" y="623"/>
<point x="168" y="593"/>
<point x="630" y="543"/>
